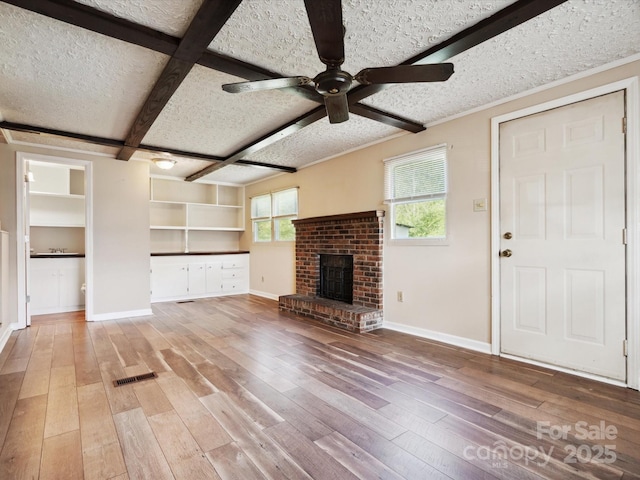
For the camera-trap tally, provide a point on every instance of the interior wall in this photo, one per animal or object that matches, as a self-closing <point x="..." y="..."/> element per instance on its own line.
<point x="8" y="224"/>
<point x="446" y="288"/>
<point x="121" y="230"/>
<point x="121" y="237"/>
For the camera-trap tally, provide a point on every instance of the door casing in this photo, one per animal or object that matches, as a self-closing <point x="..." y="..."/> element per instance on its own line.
<point x="632" y="98"/>
<point x="21" y="276"/>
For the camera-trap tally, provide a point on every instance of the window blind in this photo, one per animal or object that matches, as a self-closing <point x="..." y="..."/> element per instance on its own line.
<point x="285" y="202"/>
<point x="261" y="206"/>
<point x="418" y="175"/>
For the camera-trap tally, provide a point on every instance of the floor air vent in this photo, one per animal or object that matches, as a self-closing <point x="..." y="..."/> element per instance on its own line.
<point x="186" y="301"/>
<point x="134" y="379"/>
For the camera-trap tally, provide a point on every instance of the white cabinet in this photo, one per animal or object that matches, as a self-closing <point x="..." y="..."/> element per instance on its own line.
<point x="171" y="280"/>
<point x="197" y="278"/>
<point x="55" y="285"/>
<point x="179" y="209"/>
<point x="181" y="277"/>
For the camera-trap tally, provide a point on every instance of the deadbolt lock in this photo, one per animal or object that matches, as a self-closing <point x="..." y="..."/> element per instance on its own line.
<point x="507" y="236"/>
<point x="506" y="253"/>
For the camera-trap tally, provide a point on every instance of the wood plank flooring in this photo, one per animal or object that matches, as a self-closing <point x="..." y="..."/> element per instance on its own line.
<point x="246" y="392"/>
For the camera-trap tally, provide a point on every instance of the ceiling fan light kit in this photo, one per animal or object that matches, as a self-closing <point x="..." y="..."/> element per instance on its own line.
<point x="325" y="19"/>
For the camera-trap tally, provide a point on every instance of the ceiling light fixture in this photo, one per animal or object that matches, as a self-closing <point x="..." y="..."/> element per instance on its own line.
<point x="164" y="163"/>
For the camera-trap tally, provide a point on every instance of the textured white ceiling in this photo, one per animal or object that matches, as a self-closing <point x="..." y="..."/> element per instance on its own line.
<point x="62" y="77"/>
<point x="276" y="35"/>
<point x="571" y="38"/>
<point x="67" y="78"/>
<point x="168" y="16"/>
<point x="201" y="117"/>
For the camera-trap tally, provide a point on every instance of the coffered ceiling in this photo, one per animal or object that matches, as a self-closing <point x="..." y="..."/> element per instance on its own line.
<point x="129" y="79"/>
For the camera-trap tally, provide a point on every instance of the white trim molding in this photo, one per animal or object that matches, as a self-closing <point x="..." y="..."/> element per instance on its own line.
<point x="632" y="107"/>
<point x="21" y="158"/>
<point x="270" y="296"/>
<point x="454" y="340"/>
<point x="101" y="317"/>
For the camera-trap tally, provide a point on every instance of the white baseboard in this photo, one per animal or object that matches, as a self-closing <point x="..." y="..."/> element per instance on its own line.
<point x="5" y="333"/>
<point x="462" y="342"/>
<point x="270" y="296"/>
<point x="100" y="317"/>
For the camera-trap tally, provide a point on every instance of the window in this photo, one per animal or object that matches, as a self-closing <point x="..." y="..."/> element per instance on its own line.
<point x="416" y="190"/>
<point x="272" y="215"/>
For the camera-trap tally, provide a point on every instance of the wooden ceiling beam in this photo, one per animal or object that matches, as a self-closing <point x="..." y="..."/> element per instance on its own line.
<point x="92" y="19"/>
<point x="509" y="17"/>
<point x="206" y="24"/>
<point x="110" y="142"/>
<point x="21" y="127"/>
<point x="97" y="21"/>
<point x="264" y="141"/>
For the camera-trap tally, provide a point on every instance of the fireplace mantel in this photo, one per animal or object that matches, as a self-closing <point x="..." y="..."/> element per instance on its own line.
<point x="358" y="234"/>
<point x="340" y="217"/>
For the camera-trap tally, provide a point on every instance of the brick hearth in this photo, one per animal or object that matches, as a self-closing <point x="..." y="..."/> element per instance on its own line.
<point x="358" y="234"/>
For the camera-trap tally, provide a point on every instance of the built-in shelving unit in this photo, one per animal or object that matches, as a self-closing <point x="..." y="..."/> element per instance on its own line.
<point x="185" y="214"/>
<point x="56" y="207"/>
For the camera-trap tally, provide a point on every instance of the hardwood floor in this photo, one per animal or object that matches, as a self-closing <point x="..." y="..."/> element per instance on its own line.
<point x="245" y="392"/>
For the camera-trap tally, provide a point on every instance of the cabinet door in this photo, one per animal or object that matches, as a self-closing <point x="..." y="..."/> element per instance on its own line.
<point x="45" y="289"/>
<point x="197" y="279"/>
<point x="71" y="278"/>
<point x="214" y="277"/>
<point x="169" y="281"/>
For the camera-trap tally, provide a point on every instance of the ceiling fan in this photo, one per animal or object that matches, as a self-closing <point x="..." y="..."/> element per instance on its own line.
<point x="325" y="18"/>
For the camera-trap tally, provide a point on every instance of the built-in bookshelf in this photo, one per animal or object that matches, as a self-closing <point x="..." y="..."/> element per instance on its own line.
<point x="189" y="216"/>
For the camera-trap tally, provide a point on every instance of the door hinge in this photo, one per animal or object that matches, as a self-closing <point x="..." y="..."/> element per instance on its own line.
<point x="624" y="236"/>
<point x="28" y="298"/>
<point x="624" y="125"/>
<point x="625" y="348"/>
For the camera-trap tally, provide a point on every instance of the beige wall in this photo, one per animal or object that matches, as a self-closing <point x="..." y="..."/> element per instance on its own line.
<point x="121" y="230"/>
<point x="8" y="221"/>
<point x="446" y="288"/>
<point x="121" y="236"/>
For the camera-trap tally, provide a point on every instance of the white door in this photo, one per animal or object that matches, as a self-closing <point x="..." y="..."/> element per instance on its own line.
<point x="562" y="216"/>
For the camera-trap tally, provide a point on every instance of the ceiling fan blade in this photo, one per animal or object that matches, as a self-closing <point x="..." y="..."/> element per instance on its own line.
<point x="337" y="108"/>
<point x="437" y="72"/>
<point x="325" y="18"/>
<point x="269" y="84"/>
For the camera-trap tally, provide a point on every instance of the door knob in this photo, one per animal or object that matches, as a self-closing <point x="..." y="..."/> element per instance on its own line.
<point x="506" y="253"/>
<point x="508" y="236"/>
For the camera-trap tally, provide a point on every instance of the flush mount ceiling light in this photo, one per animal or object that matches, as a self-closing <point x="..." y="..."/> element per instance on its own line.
<point x="164" y="163"/>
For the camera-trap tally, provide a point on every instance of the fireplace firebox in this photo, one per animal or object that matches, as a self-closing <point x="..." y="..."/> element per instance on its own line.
<point x="336" y="277"/>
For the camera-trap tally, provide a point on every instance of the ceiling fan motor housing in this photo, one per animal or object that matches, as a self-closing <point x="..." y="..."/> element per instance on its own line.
<point x="333" y="81"/>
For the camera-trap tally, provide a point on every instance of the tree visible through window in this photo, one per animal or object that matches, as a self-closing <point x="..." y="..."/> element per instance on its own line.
<point x="272" y="215"/>
<point x="416" y="189"/>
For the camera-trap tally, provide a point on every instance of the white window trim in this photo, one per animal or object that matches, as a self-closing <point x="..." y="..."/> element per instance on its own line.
<point x="272" y="218"/>
<point x="440" y="241"/>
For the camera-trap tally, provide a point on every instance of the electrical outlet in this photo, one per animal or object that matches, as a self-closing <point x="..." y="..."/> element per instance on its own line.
<point x="400" y="296"/>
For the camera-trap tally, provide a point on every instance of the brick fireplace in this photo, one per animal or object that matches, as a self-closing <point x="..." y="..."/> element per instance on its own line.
<point x="356" y="235"/>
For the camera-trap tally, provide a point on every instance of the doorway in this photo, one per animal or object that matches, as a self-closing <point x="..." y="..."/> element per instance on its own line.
<point x="562" y="263"/>
<point x="54" y="254"/>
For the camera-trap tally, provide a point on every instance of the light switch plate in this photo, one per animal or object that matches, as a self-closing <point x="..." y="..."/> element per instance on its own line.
<point x="480" y="205"/>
